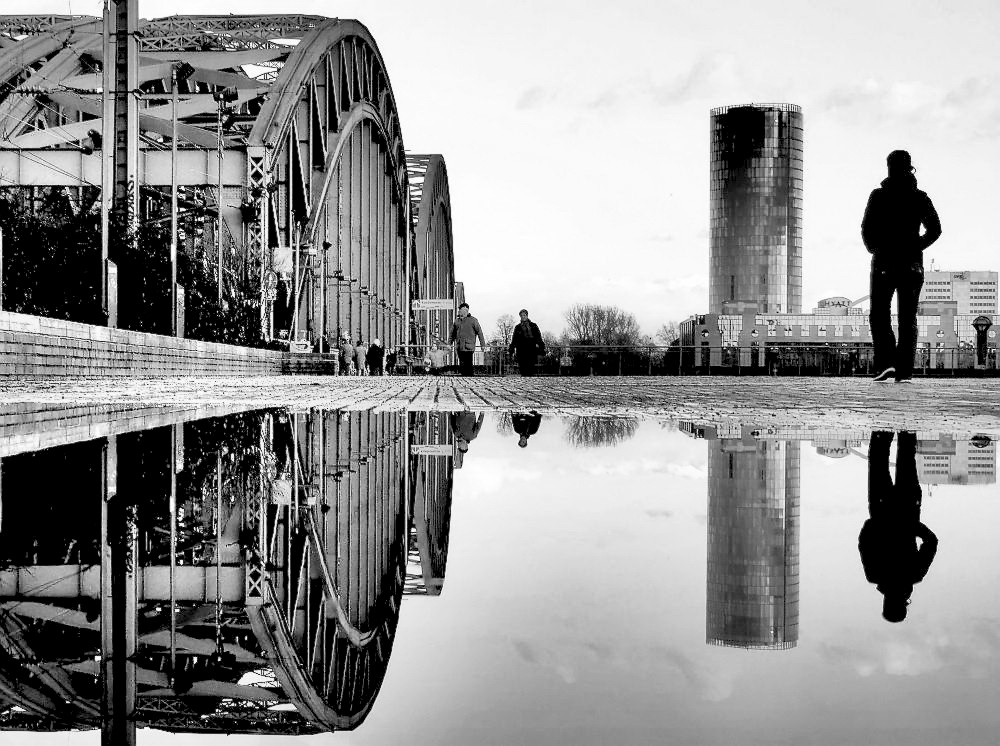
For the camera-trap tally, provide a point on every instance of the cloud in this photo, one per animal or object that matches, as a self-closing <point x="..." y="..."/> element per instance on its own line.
<point x="969" y="109"/>
<point x="485" y="475"/>
<point x="633" y="467"/>
<point x="534" y="97"/>
<point x="711" y="75"/>
<point x="605" y="99"/>
<point x="544" y="658"/>
<point x="973" y="650"/>
<point x="660" y="513"/>
<point x="711" y="683"/>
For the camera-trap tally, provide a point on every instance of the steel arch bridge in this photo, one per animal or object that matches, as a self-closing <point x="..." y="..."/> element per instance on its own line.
<point x="286" y="129"/>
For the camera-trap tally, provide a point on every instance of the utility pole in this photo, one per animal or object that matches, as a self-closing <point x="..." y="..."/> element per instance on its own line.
<point x="126" y="111"/>
<point x="118" y="558"/>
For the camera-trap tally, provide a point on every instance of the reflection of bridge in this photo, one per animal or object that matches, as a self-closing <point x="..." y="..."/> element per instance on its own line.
<point x="244" y="575"/>
<point x="280" y="135"/>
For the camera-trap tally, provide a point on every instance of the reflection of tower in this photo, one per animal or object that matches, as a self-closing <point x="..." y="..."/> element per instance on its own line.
<point x="756" y="207"/>
<point x="753" y="544"/>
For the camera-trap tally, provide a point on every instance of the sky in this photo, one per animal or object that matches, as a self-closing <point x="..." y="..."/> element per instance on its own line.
<point x="577" y="143"/>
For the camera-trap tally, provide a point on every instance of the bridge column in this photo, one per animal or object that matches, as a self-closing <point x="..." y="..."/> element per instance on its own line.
<point x="119" y="553"/>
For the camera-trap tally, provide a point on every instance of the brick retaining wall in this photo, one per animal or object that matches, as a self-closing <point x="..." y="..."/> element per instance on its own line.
<point x="39" y="346"/>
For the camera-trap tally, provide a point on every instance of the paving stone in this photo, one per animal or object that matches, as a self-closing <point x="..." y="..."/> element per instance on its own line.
<point x="960" y="406"/>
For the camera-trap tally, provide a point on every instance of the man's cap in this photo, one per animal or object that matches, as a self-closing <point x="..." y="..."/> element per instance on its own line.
<point x="899" y="160"/>
<point x="524" y="311"/>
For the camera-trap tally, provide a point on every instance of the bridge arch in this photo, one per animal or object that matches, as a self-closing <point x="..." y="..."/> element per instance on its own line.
<point x="432" y="272"/>
<point x="312" y="183"/>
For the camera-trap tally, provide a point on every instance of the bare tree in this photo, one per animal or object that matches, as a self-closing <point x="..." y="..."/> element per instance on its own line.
<point x="590" y="323"/>
<point x="598" y="432"/>
<point x="504" y="330"/>
<point x="668" y="333"/>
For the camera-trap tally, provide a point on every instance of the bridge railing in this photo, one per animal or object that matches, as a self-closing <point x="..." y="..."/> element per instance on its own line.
<point x="703" y="359"/>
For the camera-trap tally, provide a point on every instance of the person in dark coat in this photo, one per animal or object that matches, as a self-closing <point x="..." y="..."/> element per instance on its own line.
<point x="888" y="540"/>
<point x="891" y="232"/>
<point x="374" y="358"/>
<point x="390" y="362"/>
<point x="525" y="425"/>
<point x="526" y="344"/>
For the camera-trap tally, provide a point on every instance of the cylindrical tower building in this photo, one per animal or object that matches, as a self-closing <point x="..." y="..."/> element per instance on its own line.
<point x="756" y="207"/>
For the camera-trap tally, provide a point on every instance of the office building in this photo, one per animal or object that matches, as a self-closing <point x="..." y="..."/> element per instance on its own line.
<point x="974" y="292"/>
<point x="756" y="207"/>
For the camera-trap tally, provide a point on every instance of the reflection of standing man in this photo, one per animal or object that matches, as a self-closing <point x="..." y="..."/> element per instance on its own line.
<point x="464" y="333"/>
<point x="525" y="425"/>
<point x="465" y="426"/>
<point x="891" y="232"/>
<point x="888" y="540"/>
<point x="526" y="344"/>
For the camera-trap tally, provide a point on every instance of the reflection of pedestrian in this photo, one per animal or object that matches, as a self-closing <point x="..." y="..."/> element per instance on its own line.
<point x="464" y="333"/>
<point x="360" y="351"/>
<point x="374" y="358"/>
<point x="891" y="232"/>
<point x="465" y="426"/>
<point x="888" y="541"/>
<point x="525" y="425"/>
<point x="346" y="351"/>
<point x="526" y="344"/>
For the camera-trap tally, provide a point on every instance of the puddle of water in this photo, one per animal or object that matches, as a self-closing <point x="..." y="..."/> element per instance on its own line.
<point x="467" y="578"/>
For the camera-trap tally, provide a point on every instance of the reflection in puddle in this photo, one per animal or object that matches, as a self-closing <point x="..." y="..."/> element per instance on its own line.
<point x="238" y="574"/>
<point x="245" y="573"/>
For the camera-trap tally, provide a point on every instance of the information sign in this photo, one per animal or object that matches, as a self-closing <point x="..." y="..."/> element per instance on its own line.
<point x="433" y="304"/>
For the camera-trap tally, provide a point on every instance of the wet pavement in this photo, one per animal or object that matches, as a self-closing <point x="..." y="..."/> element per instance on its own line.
<point x="957" y="406"/>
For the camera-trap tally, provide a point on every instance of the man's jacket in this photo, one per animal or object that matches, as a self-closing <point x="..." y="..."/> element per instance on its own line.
<point x="465" y="331"/>
<point x="891" y="226"/>
<point x="527" y="338"/>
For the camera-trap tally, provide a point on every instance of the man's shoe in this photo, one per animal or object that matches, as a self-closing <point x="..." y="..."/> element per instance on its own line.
<point x="885" y="375"/>
<point x="904" y="380"/>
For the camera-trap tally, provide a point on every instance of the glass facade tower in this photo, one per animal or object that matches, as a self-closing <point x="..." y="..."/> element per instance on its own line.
<point x="756" y="207"/>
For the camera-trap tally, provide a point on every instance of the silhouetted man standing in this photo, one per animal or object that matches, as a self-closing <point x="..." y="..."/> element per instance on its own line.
<point x="888" y="540"/>
<point x="464" y="333"/>
<point x="526" y="343"/>
<point x="891" y="232"/>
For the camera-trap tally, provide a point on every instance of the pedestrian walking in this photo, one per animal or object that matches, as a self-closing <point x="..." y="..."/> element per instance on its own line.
<point x="360" y="352"/>
<point x="374" y="358"/>
<point x="526" y="344"/>
<point x="346" y="352"/>
<point x="390" y="361"/>
<point x="891" y="232"/>
<point x="464" y="333"/>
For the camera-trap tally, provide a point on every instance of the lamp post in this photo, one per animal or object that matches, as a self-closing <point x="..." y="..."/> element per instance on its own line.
<point x="982" y="325"/>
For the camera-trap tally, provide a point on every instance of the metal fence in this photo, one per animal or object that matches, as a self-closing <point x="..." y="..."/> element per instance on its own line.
<point x="702" y="359"/>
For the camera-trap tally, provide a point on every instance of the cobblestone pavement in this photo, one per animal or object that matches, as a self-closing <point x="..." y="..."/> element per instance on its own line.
<point x="960" y="406"/>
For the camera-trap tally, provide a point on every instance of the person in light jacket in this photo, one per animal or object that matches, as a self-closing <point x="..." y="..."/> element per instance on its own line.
<point x="464" y="333"/>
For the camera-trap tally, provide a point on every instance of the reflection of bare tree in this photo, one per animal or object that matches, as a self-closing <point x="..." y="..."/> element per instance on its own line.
<point x="505" y="423"/>
<point x="597" y="432"/>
